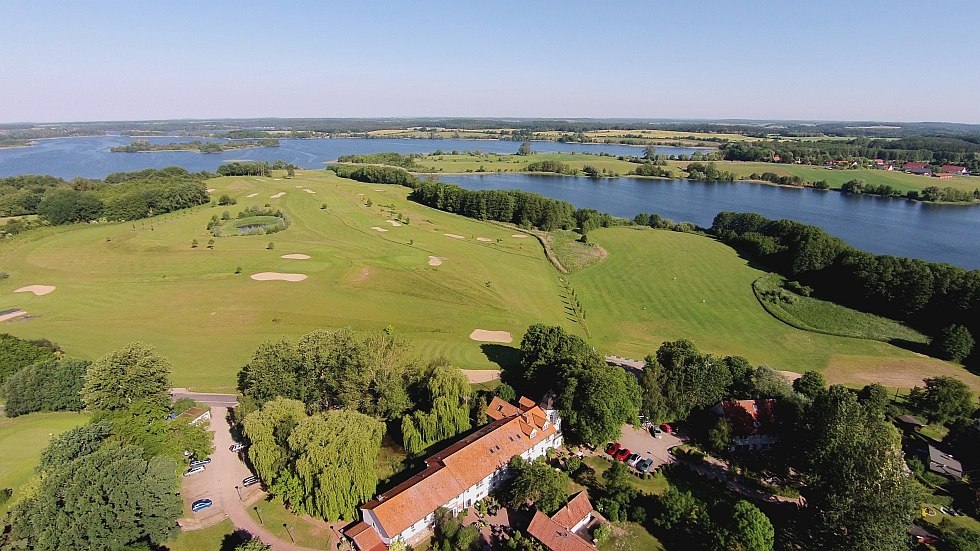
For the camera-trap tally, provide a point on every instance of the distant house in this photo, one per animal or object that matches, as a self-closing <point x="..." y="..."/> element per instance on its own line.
<point x="917" y="168"/>
<point x="196" y="416"/>
<point x="461" y="474"/>
<point x="943" y="176"/>
<point x="753" y="421"/>
<point x="944" y="464"/>
<point x="955" y="169"/>
<point x="568" y="529"/>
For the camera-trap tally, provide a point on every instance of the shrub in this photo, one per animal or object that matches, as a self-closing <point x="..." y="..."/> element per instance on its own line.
<point x="953" y="343"/>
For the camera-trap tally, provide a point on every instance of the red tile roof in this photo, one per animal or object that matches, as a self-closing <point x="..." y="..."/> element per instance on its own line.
<point x="910" y="165"/>
<point x="365" y="538"/>
<point x="526" y="403"/>
<point x="555" y="536"/>
<point x="577" y="509"/>
<point x="454" y="469"/>
<point x="956" y="169"/>
<point x="499" y="408"/>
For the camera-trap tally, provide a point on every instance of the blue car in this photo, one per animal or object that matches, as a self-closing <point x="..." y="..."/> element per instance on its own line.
<point x="200" y="505"/>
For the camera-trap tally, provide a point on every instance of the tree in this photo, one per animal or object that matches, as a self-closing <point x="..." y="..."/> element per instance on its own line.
<point x="253" y="544"/>
<point x="953" y="343"/>
<point x="444" y="393"/>
<point x="596" y="399"/>
<point x="810" y="384"/>
<point x="856" y="482"/>
<point x="120" y="378"/>
<point x="543" y="348"/>
<point x="750" y="529"/>
<point x="505" y="392"/>
<point x="769" y="383"/>
<point x="480" y="411"/>
<point x="72" y="444"/>
<point x="536" y="483"/>
<point x="720" y="435"/>
<point x="874" y="397"/>
<point x="51" y="385"/>
<point x="681" y="379"/>
<point x="524" y="149"/>
<point x="322" y="465"/>
<point x="943" y="399"/>
<point x="67" y="206"/>
<point x="450" y="534"/>
<point x="16" y="354"/>
<point x="104" y="500"/>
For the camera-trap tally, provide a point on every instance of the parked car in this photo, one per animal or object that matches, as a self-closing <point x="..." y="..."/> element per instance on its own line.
<point x="623" y="454"/>
<point x="632" y="459"/>
<point x="237" y="446"/>
<point x="612" y="448"/>
<point x="667" y="428"/>
<point x="194" y="470"/>
<point x="248" y="481"/>
<point x="200" y="505"/>
<point x="657" y="432"/>
<point x="200" y="462"/>
<point x="644" y="466"/>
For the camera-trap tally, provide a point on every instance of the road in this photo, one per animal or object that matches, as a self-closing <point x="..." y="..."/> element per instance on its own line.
<point x="218" y="482"/>
<point x="214" y="400"/>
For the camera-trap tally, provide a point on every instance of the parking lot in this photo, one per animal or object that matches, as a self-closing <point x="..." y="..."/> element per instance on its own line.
<point x="639" y="440"/>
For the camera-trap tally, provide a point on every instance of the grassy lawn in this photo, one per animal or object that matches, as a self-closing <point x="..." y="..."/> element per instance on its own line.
<point x="572" y="253"/>
<point x="22" y="439"/>
<point x="654" y="485"/>
<point x="306" y="534"/>
<point x="212" y="538"/>
<point x="142" y="281"/>
<point x="633" y="536"/>
<point x="826" y="317"/>
<point x="658" y="285"/>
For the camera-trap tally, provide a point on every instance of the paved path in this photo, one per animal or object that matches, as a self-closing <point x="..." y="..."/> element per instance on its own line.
<point x="218" y="483"/>
<point x="219" y="400"/>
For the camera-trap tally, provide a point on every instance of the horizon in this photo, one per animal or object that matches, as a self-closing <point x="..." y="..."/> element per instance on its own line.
<point x="840" y="62"/>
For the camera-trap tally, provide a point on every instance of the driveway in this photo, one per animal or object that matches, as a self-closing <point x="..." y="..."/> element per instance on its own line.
<point x="218" y="482"/>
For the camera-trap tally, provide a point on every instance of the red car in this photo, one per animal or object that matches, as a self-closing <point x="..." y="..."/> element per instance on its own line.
<point x="667" y="428"/>
<point x="612" y="448"/>
<point x="623" y="454"/>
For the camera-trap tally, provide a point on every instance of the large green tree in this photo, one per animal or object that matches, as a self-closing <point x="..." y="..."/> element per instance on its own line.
<point x="16" y="354"/>
<point x="51" y="385"/>
<point x="444" y="392"/>
<point x="596" y="399"/>
<point x="121" y="378"/>
<point x="943" y="399"/>
<point x="810" y="384"/>
<point x="536" y="483"/>
<point x="322" y="465"/>
<point x="750" y="529"/>
<point x="857" y="487"/>
<point x="103" y="500"/>
<point x="954" y="343"/>
<point x="679" y="379"/>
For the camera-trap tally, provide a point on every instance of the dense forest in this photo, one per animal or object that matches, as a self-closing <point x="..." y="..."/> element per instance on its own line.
<point x="204" y="147"/>
<point x="935" y="298"/>
<point x="121" y="196"/>
<point x="518" y="207"/>
<point x="930" y="149"/>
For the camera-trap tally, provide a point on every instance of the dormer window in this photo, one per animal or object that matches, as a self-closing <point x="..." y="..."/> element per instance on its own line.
<point x="534" y="432"/>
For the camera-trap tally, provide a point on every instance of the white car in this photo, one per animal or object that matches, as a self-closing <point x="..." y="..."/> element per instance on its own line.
<point x="194" y="470"/>
<point x="237" y="447"/>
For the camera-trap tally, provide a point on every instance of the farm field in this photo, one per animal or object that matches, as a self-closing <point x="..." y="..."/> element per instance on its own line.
<point x="143" y="281"/>
<point x="660" y="285"/>
<point x="22" y="439"/>
<point x="517" y="163"/>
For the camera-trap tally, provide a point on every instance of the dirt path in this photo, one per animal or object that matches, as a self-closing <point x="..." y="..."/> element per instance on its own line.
<point x="218" y="483"/>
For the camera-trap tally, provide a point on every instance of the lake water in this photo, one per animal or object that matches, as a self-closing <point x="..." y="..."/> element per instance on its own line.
<point x="90" y="157"/>
<point x="943" y="233"/>
<point x="940" y="233"/>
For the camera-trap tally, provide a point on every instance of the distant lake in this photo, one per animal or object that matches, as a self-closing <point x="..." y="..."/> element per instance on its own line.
<point x="89" y="157"/>
<point x="940" y="233"/>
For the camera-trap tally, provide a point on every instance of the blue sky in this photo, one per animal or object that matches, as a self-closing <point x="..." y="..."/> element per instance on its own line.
<point x="828" y="60"/>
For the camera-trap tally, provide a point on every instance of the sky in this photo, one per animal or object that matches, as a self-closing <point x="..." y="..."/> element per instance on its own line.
<point x="802" y="60"/>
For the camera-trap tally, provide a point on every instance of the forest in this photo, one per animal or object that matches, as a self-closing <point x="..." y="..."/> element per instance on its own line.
<point x="931" y="149"/>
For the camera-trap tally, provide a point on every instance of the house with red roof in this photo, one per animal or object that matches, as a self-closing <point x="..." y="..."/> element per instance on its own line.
<point x="917" y="168"/>
<point x="955" y="169"/>
<point x="463" y="473"/>
<point x="753" y="421"/>
<point x="568" y="529"/>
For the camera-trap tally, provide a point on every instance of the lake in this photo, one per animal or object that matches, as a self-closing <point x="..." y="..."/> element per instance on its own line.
<point x="940" y="233"/>
<point x="89" y="157"/>
<point x="943" y="233"/>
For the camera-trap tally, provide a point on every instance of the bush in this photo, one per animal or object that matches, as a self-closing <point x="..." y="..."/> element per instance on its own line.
<point x="953" y="343"/>
<point x="5" y="494"/>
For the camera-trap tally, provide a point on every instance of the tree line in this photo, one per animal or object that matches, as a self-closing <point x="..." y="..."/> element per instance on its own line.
<point x="514" y="206"/>
<point x="927" y="295"/>
<point x="386" y="158"/>
<point x="121" y="196"/>
<point x="932" y="149"/>
<point x="137" y="146"/>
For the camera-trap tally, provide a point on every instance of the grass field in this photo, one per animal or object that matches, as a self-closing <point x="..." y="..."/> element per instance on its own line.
<point x="22" y="439"/>
<point x="213" y="538"/>
<point x="275" y="518"/>
<point x="518" y="163"/>
<point x="659" y="285"/>
<point x="826" y="317"/>
<point x="143" y="281"/>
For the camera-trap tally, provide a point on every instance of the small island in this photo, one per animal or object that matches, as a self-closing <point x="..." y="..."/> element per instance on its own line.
<point x="139" y="146"/>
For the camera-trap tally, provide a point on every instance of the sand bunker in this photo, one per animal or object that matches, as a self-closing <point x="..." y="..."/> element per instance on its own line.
<point x="308" y="190"/>
<point x="276" y="276"/>
<point x="483" y="335"/>
<point x="379" y="190"/>
<point x="485" y="239"/>
<point x="519" y="235"/>
<point x="278" y="195"/>
<point x="378" y="228"/>
<point x="790" y="375"/>
<point x="250" y="195"/>
<point x="38" y="290"/>
<point x="435" y="261"/>
<point x="454" y="236"/>
<point x="7" y="315"/>
<point x="394" y="223"/>
<point x="299" y="187"/>
<point x="296" y="256"/>
<point x="209" y="190"/>
<point x="481" y="375"/>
